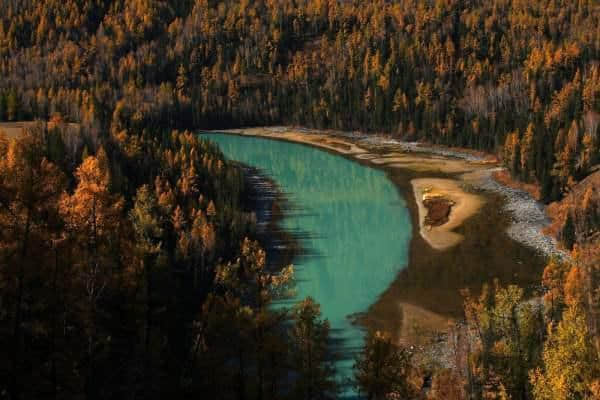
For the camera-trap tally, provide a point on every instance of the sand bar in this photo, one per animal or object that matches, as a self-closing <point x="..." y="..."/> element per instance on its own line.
<point x="465" y="205"/>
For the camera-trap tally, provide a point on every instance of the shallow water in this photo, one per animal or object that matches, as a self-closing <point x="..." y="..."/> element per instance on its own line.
<point x="350" y="219"/>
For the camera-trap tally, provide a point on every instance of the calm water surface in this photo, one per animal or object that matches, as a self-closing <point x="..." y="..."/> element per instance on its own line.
<point x="356" y="227"/>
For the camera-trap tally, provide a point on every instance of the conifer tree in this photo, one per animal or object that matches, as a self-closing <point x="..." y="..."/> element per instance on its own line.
<point x="12" y="106"/>
<point x="310" y="355"/>
<point x="147" y="225"/>
<point x="568" y="234"/>
<point x="383" y="369"/>
<point x="571" y="366"/>
<point x="528" y="153"/>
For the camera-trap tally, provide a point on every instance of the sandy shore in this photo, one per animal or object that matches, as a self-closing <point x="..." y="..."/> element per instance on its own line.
<point x="465" y="204"/>
<point x="319" y="139"/>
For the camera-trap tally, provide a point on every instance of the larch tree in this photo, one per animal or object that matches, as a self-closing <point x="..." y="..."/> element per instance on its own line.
<point x="528" y="153"/>
<point x="574" y="288"/>
<point x="570" y="367"/>
<point x="92" y="215"/>
<point x="508" y="332"/>
<point x="552" y="281"/>
<point x="512" y="151"/>
<point x="203" y="240"/>
<point x="564" y="168"/>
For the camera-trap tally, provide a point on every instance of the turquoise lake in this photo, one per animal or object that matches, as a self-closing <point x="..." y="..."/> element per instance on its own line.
<point x="355" y="224"/>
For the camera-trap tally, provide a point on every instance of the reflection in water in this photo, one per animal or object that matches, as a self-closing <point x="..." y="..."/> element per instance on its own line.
<point x="358" y="224"/>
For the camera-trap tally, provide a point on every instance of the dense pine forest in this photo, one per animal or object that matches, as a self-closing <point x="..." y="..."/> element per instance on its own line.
<point x="129" y="262"/>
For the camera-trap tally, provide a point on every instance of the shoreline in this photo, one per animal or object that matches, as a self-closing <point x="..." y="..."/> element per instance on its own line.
<point x="466" y="168"/>
<point x="443" y="236"/>
<point x="268" y="203"/>
<point x="422" y="304"/>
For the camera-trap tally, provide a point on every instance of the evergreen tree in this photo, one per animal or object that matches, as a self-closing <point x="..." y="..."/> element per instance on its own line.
<point x="568" y="235"/>
<point x="12" y="106"/>
<point x="147" y="225"/>
<point x="382" y="370"/>
<point x="528" y="153"/>
<point x="3" y="106"/>
<point x="310" y="356"/>
<point x="508" y="332"/>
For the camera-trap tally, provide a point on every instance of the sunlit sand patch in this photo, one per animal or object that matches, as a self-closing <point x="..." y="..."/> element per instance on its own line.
<point x="366" y="156"/>
<point x="419" y="324"/>
<point x="433" y="164"/>
<point x="465" y="205"/>
<point x="393" y="154"/>
<point x="477" y="175"/>
<point x="322" y="140"/>
<point x="380" y="161"/>
<point x="425" y="163"/>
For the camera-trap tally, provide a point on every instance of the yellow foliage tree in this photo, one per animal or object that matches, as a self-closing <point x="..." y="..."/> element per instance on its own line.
<point x="570" y="362"/>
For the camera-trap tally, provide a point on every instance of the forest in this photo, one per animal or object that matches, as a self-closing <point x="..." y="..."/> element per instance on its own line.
<point x="129" y="261"/>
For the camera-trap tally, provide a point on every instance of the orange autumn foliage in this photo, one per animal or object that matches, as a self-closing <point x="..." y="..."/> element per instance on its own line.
<point x="92" y="210"/>
<point x="574" y="287"/>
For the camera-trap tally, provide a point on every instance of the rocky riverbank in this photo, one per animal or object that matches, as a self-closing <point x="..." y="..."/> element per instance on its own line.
<point x="528" y="217"/>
